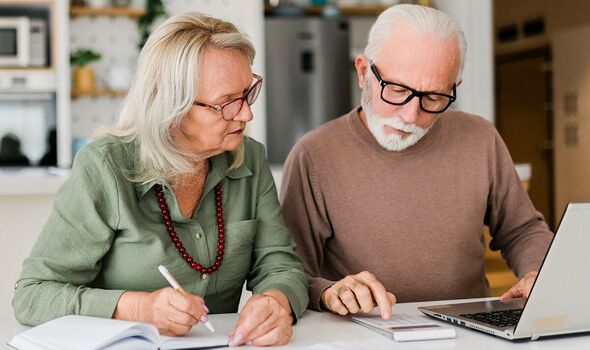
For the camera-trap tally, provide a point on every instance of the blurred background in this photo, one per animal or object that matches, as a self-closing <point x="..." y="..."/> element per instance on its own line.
<point x="65" y="67"/>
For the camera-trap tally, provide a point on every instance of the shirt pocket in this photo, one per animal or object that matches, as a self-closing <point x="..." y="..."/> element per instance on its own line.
<point x="237" y="256"/>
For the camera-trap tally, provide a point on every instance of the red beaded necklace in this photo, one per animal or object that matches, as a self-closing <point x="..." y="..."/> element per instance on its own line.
<point x="205" y="271"/>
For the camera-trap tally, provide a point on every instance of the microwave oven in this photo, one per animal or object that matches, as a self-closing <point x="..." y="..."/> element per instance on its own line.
<point x="23" y="42"/>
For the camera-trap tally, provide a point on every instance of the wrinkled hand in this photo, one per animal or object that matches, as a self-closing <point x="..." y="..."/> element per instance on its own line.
<point x="522" y="288"/>
<point x="172" y="312"/>
<point x="265" y="320"/>
<point x="358" y="292"/>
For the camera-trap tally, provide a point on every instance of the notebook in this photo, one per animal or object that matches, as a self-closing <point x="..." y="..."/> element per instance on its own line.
<point x="403" y="327"/>
<point x="558" y="303"/>
<point x="92" y="333"/>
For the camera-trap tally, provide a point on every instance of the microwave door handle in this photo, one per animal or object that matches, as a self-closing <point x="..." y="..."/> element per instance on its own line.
<point x="25" y="97"/>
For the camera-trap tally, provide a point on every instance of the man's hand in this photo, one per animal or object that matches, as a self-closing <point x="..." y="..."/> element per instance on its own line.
<point x="356" y="293"/>
<point x="522" y="288"/>
<point x="265" y="320"/>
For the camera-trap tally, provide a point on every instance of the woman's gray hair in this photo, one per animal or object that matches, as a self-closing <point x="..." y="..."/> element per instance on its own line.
<point x="425" y="19"/>
<point x="164" y="88"/>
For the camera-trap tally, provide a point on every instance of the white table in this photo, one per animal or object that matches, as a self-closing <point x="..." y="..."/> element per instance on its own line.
<point x="315" y="327"/>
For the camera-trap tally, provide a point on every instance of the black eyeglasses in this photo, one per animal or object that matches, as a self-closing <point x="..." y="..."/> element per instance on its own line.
<point x="399" y="94"/>
<point x="230" y="110"/>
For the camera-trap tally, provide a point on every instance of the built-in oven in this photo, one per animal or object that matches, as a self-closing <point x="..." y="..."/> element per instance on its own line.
<point x="28" y="120"/>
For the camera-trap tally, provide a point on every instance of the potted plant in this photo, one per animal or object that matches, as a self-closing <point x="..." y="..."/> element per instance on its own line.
<point x="154" y="9"/>
<point x="83" y="74"/>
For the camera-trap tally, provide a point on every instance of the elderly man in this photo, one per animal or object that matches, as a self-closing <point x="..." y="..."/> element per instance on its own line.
<point x="393" y="196"/>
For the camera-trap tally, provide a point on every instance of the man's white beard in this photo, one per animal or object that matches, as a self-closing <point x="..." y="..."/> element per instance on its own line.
<point x="377" y="123"/>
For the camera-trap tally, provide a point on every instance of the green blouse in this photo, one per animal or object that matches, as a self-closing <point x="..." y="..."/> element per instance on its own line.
<point x="106" y="235"/>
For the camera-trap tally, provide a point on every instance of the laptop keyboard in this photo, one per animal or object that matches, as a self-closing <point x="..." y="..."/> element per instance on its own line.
<point x="504" y="318"/>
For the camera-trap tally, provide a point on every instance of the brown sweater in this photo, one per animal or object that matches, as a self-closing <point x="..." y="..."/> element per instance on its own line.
<point x="412" y="218"/>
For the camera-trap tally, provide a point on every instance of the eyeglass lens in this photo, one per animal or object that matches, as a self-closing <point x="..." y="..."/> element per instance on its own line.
<point x="400" y="95"/>
<point x="232" y="109"/>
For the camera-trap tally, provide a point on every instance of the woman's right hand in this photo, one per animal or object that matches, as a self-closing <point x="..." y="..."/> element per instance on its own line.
<point x="172" y="312"/>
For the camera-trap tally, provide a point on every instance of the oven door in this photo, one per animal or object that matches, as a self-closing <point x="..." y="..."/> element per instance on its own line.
<point x="15" y="41"/>
<point x="28" y="129"/>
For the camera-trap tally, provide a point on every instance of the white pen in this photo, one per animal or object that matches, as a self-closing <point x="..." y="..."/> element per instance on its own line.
<point x="174" y="283"/>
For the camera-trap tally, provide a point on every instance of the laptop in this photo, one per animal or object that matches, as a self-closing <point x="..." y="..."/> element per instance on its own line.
<point x="558" y="303"/>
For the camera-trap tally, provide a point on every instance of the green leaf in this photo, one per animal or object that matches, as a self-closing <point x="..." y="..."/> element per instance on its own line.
<point x="83" y="57"/>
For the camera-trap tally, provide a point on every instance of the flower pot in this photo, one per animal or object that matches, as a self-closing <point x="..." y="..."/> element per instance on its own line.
<point x="83" y="80"/>
<point x="97" y="3"/>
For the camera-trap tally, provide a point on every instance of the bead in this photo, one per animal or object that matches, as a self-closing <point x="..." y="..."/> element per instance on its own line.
<point x="205" y="271"/>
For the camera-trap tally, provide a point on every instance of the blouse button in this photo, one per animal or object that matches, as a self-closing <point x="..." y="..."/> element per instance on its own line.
<point x="199" y="235"/>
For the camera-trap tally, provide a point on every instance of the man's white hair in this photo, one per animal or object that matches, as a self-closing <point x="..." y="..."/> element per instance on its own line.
<point x="424" y="19"/>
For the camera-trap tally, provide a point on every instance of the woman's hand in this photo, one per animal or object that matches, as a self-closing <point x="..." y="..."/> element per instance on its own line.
<point x="265" y="320"/>
<point x="172" y="312"/>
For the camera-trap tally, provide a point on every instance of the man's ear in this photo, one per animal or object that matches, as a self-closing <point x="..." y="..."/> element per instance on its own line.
<point x="361" y="63"/>
<point x="459" y="82"/>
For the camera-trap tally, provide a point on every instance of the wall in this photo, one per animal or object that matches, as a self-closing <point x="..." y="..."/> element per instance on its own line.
<point x="567" y="33"/>
<point x="571" y="96"/>
<point x="476" y="93"/>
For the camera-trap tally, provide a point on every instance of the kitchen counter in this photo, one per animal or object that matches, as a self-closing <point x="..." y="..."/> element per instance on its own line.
<point x="31" y="181"/>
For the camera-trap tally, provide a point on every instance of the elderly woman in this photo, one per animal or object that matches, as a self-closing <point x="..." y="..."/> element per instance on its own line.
<point x="175" y="183"/>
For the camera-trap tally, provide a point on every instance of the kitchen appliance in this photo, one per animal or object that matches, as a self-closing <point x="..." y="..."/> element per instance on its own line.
<point x="38" y="43"/>
<point x="307" y="78"/>
<point x="28" y="119"/>
<point x="15" y="34"/>
<point x="23" y="42"/>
